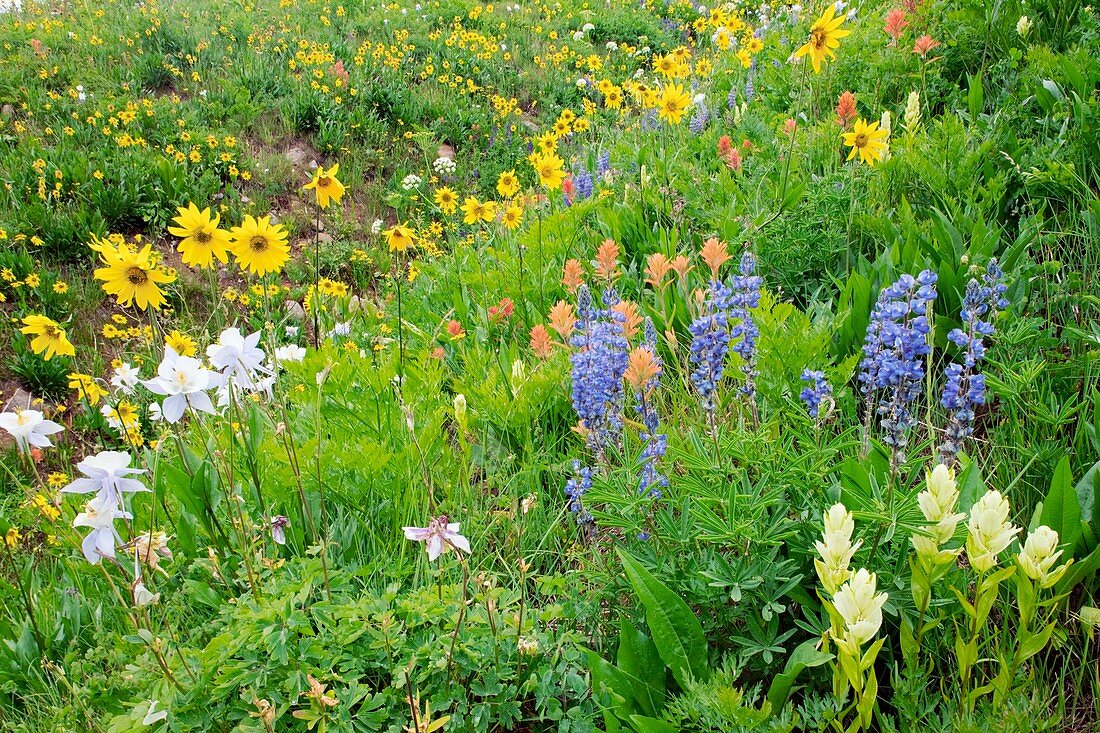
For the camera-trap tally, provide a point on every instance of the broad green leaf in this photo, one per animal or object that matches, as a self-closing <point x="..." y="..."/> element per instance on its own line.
<point x="638" y="657"/>
<point x="1061" y="509"/>
<point x="651" y="725"/>
<point x="676" y="631"/>
<point x="804" y="656"/>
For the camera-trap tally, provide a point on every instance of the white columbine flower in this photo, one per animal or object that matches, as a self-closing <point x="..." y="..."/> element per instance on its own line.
<point x="1039" y="555"/>
<point x="99" y="516"/>
<point x="861" y="608"/>
<point x="184" y="380"/>
<point x="989" y="531"/>
<point x="290" y="352"/>
<point x="440" y="536"/>
<point x="108" y="475"/>
<point x="29" y="428"/>
<point x="238" y="357"/>
<point x="126" y="377"/>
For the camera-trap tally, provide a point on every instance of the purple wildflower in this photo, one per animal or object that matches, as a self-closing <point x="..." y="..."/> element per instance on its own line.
<point x="964" y="388"/>
<point x="599" y="362"/>
<point x="818" y="393"/>
<point x="710" y="344"/>
<point x="896" y="344"/>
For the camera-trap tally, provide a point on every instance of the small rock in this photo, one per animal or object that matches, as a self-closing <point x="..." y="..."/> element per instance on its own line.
<point x="20" y="399"/>
<point x="446" y="151"/>
<point x="295" y="311"/>
<point x="324" y="237"/>
<point x="7" y="111"/>
<point x="297" y="156"/>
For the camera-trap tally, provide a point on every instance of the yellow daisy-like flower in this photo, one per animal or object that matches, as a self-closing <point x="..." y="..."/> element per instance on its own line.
<point x="512" y="217"/>
<point x="132" y="275"/>
<point x="86" y="388"/>
<point x="549" y="168"/>
<point x="49" y="338"/>
<point x="825" y="35"/>
<point x="260" y="246"/>
<point x="326" y="186"/>
<point x="508" y="184"/>
<point x="866" y="140"/>
<point x="674" y="103"/>
<point x="181" y="343"/>
<point x="399" y="237"/>
<point x="202" y="239"/>
<point x="446" y="199"/>
<point x="475" y="211"/>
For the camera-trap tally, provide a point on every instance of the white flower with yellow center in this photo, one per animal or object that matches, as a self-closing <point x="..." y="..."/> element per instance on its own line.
<point x="29" y="428"/>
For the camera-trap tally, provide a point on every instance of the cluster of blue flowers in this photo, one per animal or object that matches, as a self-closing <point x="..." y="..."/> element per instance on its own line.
<point x="603" y="164"/>
<point x="710" y="342"/>
<point x="896" y="345"/>
<point x="575" y="489"/>
<point x="712" y="334"/>
<point x="818" y="393"/>
<point x="599" y="361"/>
<point x="746" y="295"/>
<point x="583" y="186"/>
<point x="964" y="387"/>
<point x="650" y="479"/>
<point x="698" y="122"/>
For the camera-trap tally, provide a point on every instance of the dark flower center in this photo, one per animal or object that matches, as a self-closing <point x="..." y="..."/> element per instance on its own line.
<point x="203" y="237"/>
<point x="137" y="276"/>
<point x="258" y="243"/>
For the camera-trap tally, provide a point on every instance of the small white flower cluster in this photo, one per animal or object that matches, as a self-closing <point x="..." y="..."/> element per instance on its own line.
<point x="444" y="166"/>
<point x="411" y="182"/>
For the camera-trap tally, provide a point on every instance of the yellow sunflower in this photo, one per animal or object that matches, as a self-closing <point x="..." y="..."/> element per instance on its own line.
<point x="399" y="237"/>
<point x="260" y="246"/>
<point x="867" y="140"/>
<point x="326" y="186"/>
<point x="508" y="184"/>
<point x="512" y="217"/>
<point x="49" y="337"/>
<point x="549" y="168"/>
<point x="825" y="35"/>
<point x="202" y="240"/>
<point x="446" y="199"/>
<point x="475" y="211"/>
<point x="132" y="275"/>
<point x="674" y="103"/>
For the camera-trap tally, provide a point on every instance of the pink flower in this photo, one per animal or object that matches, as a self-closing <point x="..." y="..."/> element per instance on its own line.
<point x="925" y="44"/>
<point x="440" y="535"/>
<point x="895" y="24"/>
<point x="846" y="109"/>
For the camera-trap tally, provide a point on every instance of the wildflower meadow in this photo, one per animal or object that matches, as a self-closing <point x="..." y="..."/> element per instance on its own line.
<point x="637" y="366"/>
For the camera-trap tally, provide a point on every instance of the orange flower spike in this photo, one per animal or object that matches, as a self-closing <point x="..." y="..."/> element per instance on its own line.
<point x="607" y="260"/>
<point x="541" y="343"/>
<point x="657" y="266"/>
<point x="846" y="109"/>
<point x="641" y="369"/>
<point x="572" y="276"/>
<point x="682" y="265"/>
<point x="715" y="254"/>
<point x="563" y="319"/>
<point x="632" y="319"/>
